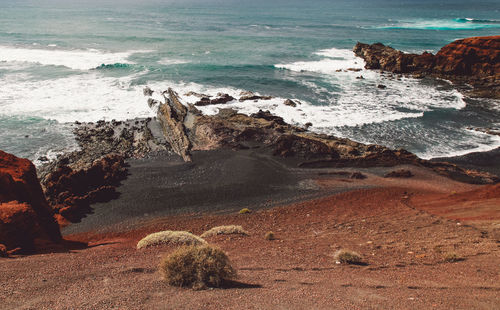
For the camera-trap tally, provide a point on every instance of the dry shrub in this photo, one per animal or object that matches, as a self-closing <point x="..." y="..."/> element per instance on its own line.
<point x="348" y="257"/>
<point x="245" y="211"/>
<point x="270" y="236"/>
<point x="225" y="230"/>
<point x="169" y="236"/>
<point x="197" y="267"/>
<point x="452" y="257"/>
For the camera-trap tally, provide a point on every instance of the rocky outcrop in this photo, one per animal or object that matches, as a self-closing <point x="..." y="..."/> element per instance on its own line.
<point x="71" y="192"/>
<point x="194" y="131"/>
<point x="221" y="99"/>
<point x="26" y="219"/>
<point x="248" y="95"/>
<point x="172" y="115"/>
<point x="474" y="61"/>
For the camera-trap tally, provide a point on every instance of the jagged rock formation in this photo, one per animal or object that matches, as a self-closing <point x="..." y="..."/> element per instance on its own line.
<point x="70" y="192"/>
<point x="172" y="115"/>
<point x="195" y="131"/>
<point x="474" y="61"/>
<point x="26" y="219"/>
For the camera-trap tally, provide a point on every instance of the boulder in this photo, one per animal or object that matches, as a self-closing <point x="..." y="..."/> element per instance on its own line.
<point x="221" y="99"/>
<point x="26" y="219"/>
<point x="248" y="95"/>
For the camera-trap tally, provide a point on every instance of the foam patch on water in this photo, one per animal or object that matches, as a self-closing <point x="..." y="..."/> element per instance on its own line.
<point x="445" y="24"/>
<point x="472" y="141"/>
<point x="333" y="60"/>
<point x="73" y="59"/>
<point x="170" y="61"/>
<point x="83" y="97"/>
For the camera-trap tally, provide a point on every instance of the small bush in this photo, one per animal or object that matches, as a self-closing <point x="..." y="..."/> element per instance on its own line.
<point x="225" y="230"/>
<point x="452" y="257"/>
<point x="270" y="236"/>
<point x="197" y="267"/>
<point x="245" y="211"/>
<point x="347" y="257"/>
<point x="168" y="236"/>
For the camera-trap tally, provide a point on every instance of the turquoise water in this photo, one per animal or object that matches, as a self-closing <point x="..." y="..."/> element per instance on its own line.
<point x="52" y="55"/>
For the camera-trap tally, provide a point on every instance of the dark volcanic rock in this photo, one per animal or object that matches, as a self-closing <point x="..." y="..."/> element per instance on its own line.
<point x="244" y="96"/>
<point x="71" y="192"/>
<point x="474" y="61"/>
<point x="401" y="173"/>
<point x="222" y="99"/>
<point x="26" y="219"/>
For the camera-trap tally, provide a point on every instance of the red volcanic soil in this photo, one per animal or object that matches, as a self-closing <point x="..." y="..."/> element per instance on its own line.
<point x="478" y="56"/>
<point x="401" y="228"/>
<point x="26" y="219"/>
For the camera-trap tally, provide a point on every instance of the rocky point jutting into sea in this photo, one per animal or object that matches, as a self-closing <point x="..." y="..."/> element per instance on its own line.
<point x="92" y="174"/>
<point x="473" y="64"/>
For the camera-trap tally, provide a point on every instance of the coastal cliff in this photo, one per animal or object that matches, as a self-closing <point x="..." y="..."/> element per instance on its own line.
<point x="474" y="61"/>
<point x="26" y="219"/>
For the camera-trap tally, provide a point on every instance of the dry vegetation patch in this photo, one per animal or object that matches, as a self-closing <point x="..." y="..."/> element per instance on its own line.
<point x="245" y="211"/>
<point x="170" y="237"/>
<point x="348" y="257"/>
<point x="197" y="267"/>
<point x="225" y="230"/>
<point x="269" y="236"/>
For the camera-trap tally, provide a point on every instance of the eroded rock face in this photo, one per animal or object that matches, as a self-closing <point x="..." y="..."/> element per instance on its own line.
<point x="172" y="115"/>
<point x="474" y="61"/>
<point x="71" y="192"/>
<point x="26" y="219"/>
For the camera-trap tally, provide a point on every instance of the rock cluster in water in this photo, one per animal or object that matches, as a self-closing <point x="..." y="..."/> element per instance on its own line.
<point x="472" y="61"/>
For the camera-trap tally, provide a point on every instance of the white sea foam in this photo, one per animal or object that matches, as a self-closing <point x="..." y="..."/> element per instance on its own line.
<point x="74" y="59"/>
<point x="83" y="97"/>
<point x="444" y="24"/>
<point x="170" y="61"/>
<point x="472" y="141"/>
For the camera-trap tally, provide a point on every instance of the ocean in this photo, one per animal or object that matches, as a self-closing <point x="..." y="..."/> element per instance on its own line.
<point x="67" y="61"/>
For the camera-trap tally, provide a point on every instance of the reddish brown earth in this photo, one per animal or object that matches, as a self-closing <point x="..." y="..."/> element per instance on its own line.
<point x="26" y="219"/>
<point x="474" y="61"/>
<point x="403" y="228"/>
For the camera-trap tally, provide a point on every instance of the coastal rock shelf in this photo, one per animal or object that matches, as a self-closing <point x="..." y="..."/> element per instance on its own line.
<point x="231" y="129"/>
<point x="474" y="61"/>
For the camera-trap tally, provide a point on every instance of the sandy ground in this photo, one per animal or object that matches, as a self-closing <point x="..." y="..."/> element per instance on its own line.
<point x="403" y="228"/>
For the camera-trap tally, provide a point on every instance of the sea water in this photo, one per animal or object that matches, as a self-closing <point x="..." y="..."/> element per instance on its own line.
<point x="66" y="61"/>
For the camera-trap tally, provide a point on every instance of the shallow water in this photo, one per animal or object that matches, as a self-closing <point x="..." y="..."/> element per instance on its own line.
<point x="51" y="71"/>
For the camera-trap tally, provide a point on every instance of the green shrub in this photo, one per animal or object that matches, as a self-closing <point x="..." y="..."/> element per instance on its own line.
<point x="197" y="267"/>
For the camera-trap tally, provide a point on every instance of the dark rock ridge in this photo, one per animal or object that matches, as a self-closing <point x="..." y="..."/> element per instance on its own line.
<point x="71" y="192"/>
<point x="172" y="115"/>
<point x="221" y="99"/>
<point x="474" y="61"/>
<point x="26" y="220"/>
<point x="194" y="131"/>
<point x="77" y="179"/>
